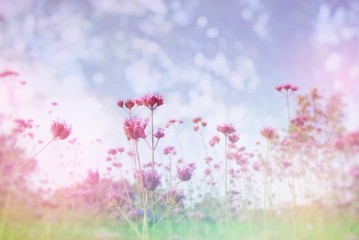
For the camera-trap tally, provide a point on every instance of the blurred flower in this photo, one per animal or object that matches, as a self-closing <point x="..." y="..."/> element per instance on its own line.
<point x="159" y="134"/>
<point x="129" y="104"/>
<point x="185" y="173"/>
<point x="173" y="197"/>
<point x="214" y="140"/>
<point x="135" y="128"/>
<point x="8" y="73"/>
<point x="114" y="199"/>
<point x="226" y="128"/>
<point x="233" y="137"/>
<point x="169" y="150"/>
<point x="93" y="178"/>
<point x="268" y="132"/>
<point x="150" y="179"/>
<point x="60" y="130"/>
<point x="286" y="87"/>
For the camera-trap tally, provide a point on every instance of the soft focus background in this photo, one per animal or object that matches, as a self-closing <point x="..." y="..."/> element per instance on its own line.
<point x="219" y="60"/>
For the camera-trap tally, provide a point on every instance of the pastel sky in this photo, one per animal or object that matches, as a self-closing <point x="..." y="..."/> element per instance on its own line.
<point x="219" y="60"/>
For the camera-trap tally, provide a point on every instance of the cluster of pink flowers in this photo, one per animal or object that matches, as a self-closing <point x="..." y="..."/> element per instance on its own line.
<point x="135" y="128"/>
<point x="226" y="128"/>
<point x="152" y="101"/>
<point x="348" y="142"/>
<point x="286" y="87"/>
<point x="169" y="150"/>
<point x="60" y="130"/>
<point x="214" y="140"/>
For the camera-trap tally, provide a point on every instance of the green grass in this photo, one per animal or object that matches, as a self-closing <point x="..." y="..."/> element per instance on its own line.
<point x="19" y="223"/>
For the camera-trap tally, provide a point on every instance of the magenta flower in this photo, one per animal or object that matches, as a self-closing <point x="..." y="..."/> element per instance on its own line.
<point x="160" y="133"/>
<point x="226" y="128"/>
<point x="152" y="101"/>
<point x="135" y="128"/>
<point x="150" y="179"/>
<point x="268" y="133"/>
<point x="286" y="87"/>
<point x="60" y="130"/>
<point x="169" y="150"/>
<point x="185" y="173"/>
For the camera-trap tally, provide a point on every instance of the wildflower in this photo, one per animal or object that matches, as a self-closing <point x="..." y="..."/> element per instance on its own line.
<point x="135" y="128"/>
<point x="354" y="172"/>
<point x="268" y="132"/>
<point x="169" y="150"/>
<point x="185" y="173"/>
<point x="160" y="133"/>
<point x="286" y="87"/>
<point x="286" y="164"/>
<point x="152" y="101"/>
<point x="60" y="130"/>
<point x="112" y="151"/>
<point x="226" y="128"/>
<point x="150" y="179"/>
<point x="173" y="197"/>
<point x="93" y="178"/>
<point x="129" y="104"/>
<point x="233" y="137"/>
<point x="214" y="140"/>
<point x="120" y="103"/>
<point x="135" y="213"/>
<point x="196" y="120"/>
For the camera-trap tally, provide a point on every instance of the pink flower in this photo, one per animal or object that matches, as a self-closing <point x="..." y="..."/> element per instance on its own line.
<point x="112" y="151"/>
<point x="226" y="128"/>
<point x="135" y="128"/>
<point x="233" y="137"/>
<point x="8" y="73"/>
<point x="159" y="134"/>
<point x="286" y="87"/>
<point x="120" y="103"/>
<point x="269" y="133"/>
<point x="60" y="130"/>
<point x="169" y="150"/>
<point x="214" y="140"/>
<point x="152" y="101"/>
<point x="93" y="178"/>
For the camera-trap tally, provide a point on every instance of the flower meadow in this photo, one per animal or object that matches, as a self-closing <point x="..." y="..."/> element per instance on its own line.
<point x="297" y="182"/>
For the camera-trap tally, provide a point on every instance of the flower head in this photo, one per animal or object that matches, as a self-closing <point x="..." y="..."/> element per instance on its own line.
<point x="150" y="179"/>
<point x="287" y="87"/>
<point x="152" y="101"/>
<point x="268" y="132"/>
<point x="93" y="177"/>
<point x="169" y="150"/>
<point x="135" y="128"/>
<point x="160" y="133"/>
<point x="233" y="137"/>
<point x="60" y="130"/>
<point x="226" y="128"/>
<point x="173" y="197"/>
<point x="185" y="173"/>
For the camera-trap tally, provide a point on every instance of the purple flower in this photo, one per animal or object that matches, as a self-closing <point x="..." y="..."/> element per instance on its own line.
<point x="150" y="179"/>
<point x="173" y="197"/>
<point x="185" y="173"/>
